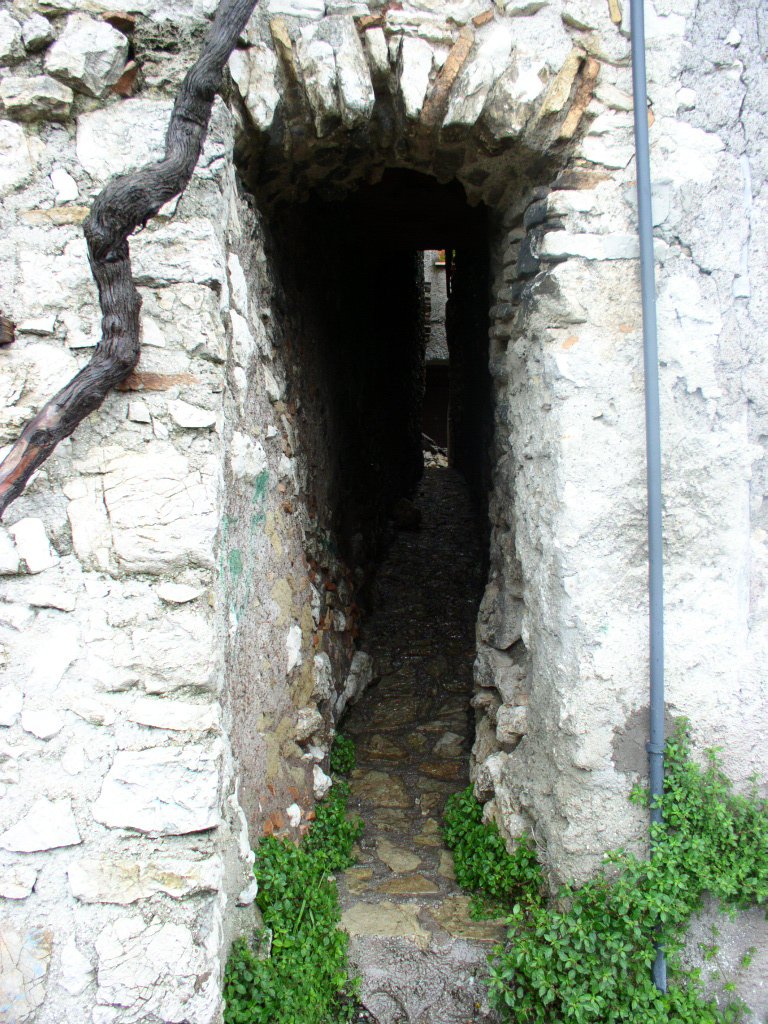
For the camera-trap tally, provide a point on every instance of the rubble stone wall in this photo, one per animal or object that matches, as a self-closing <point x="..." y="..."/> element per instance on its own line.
<point x="172" y="660"/>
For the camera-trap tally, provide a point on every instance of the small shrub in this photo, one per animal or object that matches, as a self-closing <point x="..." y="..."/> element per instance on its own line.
<point x="295" y="970"/>
<point x="342" y="758"/>
<point x="585" y="958"/>
<point x="483" y="865"/>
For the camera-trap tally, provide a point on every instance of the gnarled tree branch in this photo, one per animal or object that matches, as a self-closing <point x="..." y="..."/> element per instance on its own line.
<point x="126" y="203"/>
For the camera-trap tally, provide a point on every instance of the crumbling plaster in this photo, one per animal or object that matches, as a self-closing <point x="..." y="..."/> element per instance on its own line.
<point x="162" y="597"/>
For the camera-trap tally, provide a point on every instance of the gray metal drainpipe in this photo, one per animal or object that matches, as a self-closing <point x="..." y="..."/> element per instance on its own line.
<point x="655" y="745"/>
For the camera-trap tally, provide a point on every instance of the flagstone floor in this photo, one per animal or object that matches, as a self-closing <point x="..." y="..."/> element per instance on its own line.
<point x="413" y="731"/>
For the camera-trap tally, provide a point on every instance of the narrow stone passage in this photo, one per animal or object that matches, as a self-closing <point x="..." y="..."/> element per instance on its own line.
<point x="412" y="938"/>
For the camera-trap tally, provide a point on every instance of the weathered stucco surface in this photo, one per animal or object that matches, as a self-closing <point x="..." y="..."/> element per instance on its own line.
<point x="176" y="619"/>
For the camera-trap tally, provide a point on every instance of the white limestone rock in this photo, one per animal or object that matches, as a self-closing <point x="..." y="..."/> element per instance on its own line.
<point x="360" y="675"/>
<point x="476" y="78"/>
<point x="179" y="593"/>
<point x="511" y="723"/>
<point x="36" y="33"/>
<point x="238" y="286"/>
<point x="33" y="545"/>
<point x="511" y="100"/>
<point x="500" y="617"/>
<point x="521" y="8"/>
<point x="165" y="791"/>
<point x="162" y="513"/>
<point x="11" y="47"/>
<point x="17" y="881"/>
<point x="25" y="957"/>
<point x="249" y="894"/>
<point x="118" y="139"/>
<point x="177" y="253"/>
<point x="191" y="417"/>
<point x="414" y="66"/>
<point x="123" y="880"/>
<point x="65" y="187"/>
<point x="76" y="972"/>
<point x="43" y="724"/>
<point x="590" y="247"/>
<point x="315" y="58"/>
<point x="497" y="669"/>
<point x="45" y="326"/>
<point x="9" y="556"/>
<point x="321" y="782"/>
<point x="378" y="53"/>
<point x="47" y="825"/>
<point x="138" y="412"/>
<point x="89" y="522"/>
<point x="323" y="686"/>
<point x="356" y="96"/>
<point x="177" y="715"/>
<point x="35" y="98"/>
<point x="488" y="776"/>
<point x="89" y="55"/>
<point x="177" y="651"/>
<point x="16" y="163"/>
<point x="308" y="722"/>
<point x="152" y="972"/>
<point x="293" y="647"/>
<point x="247" y="457"/>
<point x="294" y="815"/>
<point x="312" y="9"/>
<point x="11" y="703"/>
<point x="254" y="73"/>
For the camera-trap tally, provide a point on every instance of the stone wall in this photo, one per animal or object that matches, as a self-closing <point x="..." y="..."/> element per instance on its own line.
<point x="177" y="618"/>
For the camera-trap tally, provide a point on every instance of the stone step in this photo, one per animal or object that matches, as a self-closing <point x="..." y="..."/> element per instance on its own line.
<point x="421" y="963"/>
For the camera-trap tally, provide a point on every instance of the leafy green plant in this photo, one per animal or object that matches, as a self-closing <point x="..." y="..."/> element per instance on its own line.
<point x="483" y="866"/>
<point x="295" y="969"/>
<point x="342" y="757"/>
<point x="586" y="956"/>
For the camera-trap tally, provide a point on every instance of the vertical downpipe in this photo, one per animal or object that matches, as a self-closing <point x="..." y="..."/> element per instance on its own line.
<point x="655" y="745"/>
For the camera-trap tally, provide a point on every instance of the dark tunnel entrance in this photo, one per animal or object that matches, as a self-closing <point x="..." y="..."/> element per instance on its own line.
<point x="360" y="280"/>
<point x="357" y="315"/>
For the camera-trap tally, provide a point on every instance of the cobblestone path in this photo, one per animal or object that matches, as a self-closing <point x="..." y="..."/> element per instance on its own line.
<point x="414" y="942"/>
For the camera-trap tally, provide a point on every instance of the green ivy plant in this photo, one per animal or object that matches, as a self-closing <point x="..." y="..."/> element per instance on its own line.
<point x="585" y="956"/>
<point x="295" y="969"/>
<point x="342" y="757"/>
<point x="497" y="879"/>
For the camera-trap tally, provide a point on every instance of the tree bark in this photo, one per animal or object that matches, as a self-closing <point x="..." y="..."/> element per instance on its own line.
<point x="126" y="203"/>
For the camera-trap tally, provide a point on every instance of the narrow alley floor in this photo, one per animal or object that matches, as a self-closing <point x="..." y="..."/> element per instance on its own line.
<point x="412" y="937"/>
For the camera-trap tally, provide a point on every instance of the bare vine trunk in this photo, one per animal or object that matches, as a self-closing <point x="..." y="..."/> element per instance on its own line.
<point x="126" y="203"/>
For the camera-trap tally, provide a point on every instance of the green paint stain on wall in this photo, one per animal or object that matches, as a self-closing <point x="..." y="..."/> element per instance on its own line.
<point x="235" y="563"/>
<point x="258" y="520"/>
<point x="260" y="487"/>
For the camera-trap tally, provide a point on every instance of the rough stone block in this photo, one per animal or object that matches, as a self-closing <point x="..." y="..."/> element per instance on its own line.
<point x="161" y="512"/>
<point x="414" y="66"/>
<point x="16" y="163"/>
<point x="478" y="76"/>
<point x="36" y="98"/>
<point x="33" y="545"/>
<point x="11" y="48"/>
<point x="253" y="72"/>
<point x="36" y="33"/>
<point x="46" y="826"/>
<point x="25" y="956"/>
<point x="169" y="791"/>
<point x="89" y="55"/>
<point x="123" y="881"/>
<point x="120" y="138"/>
<point x="153" y="972"/>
